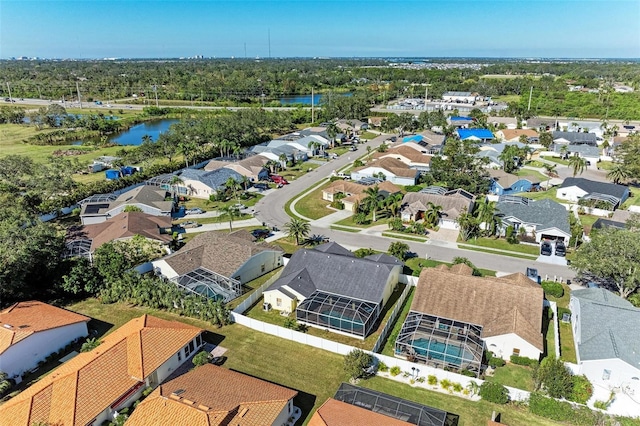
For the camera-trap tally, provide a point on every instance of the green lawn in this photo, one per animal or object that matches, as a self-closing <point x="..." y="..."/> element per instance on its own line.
<point x="417" y="264"/>
<point x="342" y="228"/>
<point x="634" y="199"/>
<point x="501" y="244"/>
<point x="588" y="220"/>
<point x="249" y="287"/>
<point x="218" y="219"/>
<point x="541" y="195"/>
<point x="532" y="173"/>
<point x="567" y="348"/>
<point x="312" y="205"/>
<point x="274" y="317"/>
<point x="472" y="413"/>
<point x="288" y="245"/>
<point x="368" y="135"/>
<point x="390" y="342"/>
<point x="557" y="160"/>
<point x="535" y="163"/>
<point x="516" y="376"/>
<point x="402" y="236"/>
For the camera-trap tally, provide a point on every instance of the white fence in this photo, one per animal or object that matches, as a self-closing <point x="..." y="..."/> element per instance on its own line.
<point x="392" y="318"/>
<point x="257" y="294"/>
<point x="556" y="328"/>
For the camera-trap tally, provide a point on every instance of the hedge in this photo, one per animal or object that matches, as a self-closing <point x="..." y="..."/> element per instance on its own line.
<point x="553" y="289"/>
<point x="562" y="411"/>
<point x="523" y="360"/>
<point x="494" y="392"/>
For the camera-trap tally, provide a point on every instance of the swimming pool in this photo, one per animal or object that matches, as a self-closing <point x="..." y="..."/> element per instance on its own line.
<point x="451" y="353"/>
<point x="334" y="320"/>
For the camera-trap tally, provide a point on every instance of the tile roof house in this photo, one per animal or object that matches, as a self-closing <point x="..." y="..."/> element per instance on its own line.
<point x="329" y="287"/>
<point x="338" y="413"/>
<point x="149" y="199"/>
<point x="91" y="387"/>
<point x="455" y="315"/>
<point x="355" y="192"/>
<point x="395" y="171"/>
<point x="30" y="331"/>
<point x="513" y="135"/>
<point x="85" y="240"/>
<point x="453" y="203"/>
<point x="252" y="167"/>
<point x="202" y="184"/>
<point x="605" y="328"/>
<point x="574" y="189"/>
<point x="408" y="155"/>
<point x="193" y="399"/>
<point x="503" y="183"/>
<point x="545" y="218"/>
<point x="216" y="264"/>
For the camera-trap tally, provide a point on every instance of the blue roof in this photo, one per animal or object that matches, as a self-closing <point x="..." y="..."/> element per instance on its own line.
<point x="414" y="138"/>
<point x="456" y="117"/>
<point x="477" y="133"/>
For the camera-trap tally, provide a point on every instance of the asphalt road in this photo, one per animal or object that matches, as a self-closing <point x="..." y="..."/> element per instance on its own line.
<point x="270" y="210"/>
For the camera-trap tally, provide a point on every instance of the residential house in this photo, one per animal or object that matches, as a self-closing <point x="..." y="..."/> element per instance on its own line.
<point x="601" y="223"/>
<point x="252" y="167"/>
<point x="543" y="219"/>
<point x="351" y="126"/>
<point x="150" y="200"/>
<point x="275" y="152"/>
<point x="590" y="153"/>
<point x="192" y="399"/>
<point x="216" y="164"/>
<point x="503" y="183"/>
<point x="574" y="138"/>
<point x="479" y="135"/>
<point x="355" y="192"/>
<point x="203" y="184"/>
<point x="578" y="189"/>
<point x="393" y="170"/>
<point x="426" y="142"/>
<point x="217" y="264"/>
<point x="408" y="155"/>
<point x="86" y="239"/>
<point x="454" y="316"/>
<point x="606" y="342"/>
<point x="505" y="122"/>
<point x="305" y="144"/>
<point x="513" y="135"/>
<point x="492" y="153"/>
<point x="453" y="204"/>
<point x="93" y="386"/>
<point x="460" y="122"/>
<point x="460" y="97"/>
<point x="376" y="121"/>
<point x="31" y="331"/>
<point x="356" y="406"/>
<point x="329" y="287"/>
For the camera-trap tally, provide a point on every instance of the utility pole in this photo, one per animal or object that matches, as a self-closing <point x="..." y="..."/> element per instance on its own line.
<point x="530" y="93"/>
<point x="155" y="89"/>
<point x="9" y="89"/>
<point x="79" y="97"/>
<point x="312" y="110"/>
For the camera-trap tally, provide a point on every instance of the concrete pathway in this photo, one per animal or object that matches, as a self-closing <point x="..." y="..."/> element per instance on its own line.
<point x="328" y="220"/>
<point x="224" y="226"/>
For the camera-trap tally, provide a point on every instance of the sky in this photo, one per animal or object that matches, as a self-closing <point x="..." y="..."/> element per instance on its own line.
<point x="394" y="28"/>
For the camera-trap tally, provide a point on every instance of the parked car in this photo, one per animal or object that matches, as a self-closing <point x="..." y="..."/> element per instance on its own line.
<point x="561" y="249"/>
<point x="190" y="224"/>
<point x="545" y="248"/>
<point x="278" y="179"/>
<point x="261" y="186"/>
<point x="239" y="206"/>
<point x="217" y="360"/>
<point x="195" y="210"/>
<point x="353" y="148"/>
<point x="260" y="233"/>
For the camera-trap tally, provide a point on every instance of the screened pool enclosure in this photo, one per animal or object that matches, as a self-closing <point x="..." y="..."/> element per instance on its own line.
<point x="339" y="313"/>
<point x="441" y="342"/>
<point x="209" y="284"/>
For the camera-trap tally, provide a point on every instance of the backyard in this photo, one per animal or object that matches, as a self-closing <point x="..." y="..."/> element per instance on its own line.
<point x="567" y="348"/>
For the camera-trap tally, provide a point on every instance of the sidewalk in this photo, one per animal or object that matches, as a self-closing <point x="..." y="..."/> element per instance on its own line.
<point x="224" y="226"/>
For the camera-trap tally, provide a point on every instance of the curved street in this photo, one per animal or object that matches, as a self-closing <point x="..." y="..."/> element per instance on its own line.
<point x="270" y="210"/>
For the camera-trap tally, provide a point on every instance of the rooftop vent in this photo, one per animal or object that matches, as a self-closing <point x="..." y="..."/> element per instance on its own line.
<point x="8" y="326"/>
<point x="177" y="392"/>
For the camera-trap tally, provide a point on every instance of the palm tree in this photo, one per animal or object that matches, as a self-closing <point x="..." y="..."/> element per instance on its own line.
<point x="618" y="173"/>
<point x="551" y="171"/>
<point x="372" y="201"/>
<point x="5" y="384"/>
<point x="332" y="132"/>
<point x="231" y="212"/>
<point x="297" y="228"/>
<point x="283" y="161"/>
<point x="432" y="215"/>
<point x="245" y="182"/>
<point x="577" y="164"/>
<point x="564" y="150"/>
<point x="487" y="212"/>
<point x="232" y="185"/>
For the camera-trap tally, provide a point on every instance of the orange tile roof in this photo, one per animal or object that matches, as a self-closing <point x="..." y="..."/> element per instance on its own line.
<point x="338" y="413"/>
<point x="195" y="399"/>
<point x="83" y="387"/>
<point x="23" y="319"/>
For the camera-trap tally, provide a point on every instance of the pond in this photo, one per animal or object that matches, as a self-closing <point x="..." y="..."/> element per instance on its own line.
<point x="304" y="99"/>
<point x="133" y="136"/>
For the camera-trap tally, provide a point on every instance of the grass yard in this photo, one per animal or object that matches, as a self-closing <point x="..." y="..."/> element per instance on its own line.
<point x="588" y="220"/>
<point x="274" y="317"/>
<point x="517" y="376"/>
<point x="368" y="135"/>
<point x="532" y="173"/>
<point x="634" y="199"/>
<point x="344" y="229"/>
<point x="288" y="245"/>
<point x="249" y="287"/>
<point x="501" y="244"/>
<point x="567" y="348"/>
<point x="417" y="264"/>
<point x="390" y="343"/>
<point x="535" y="163"/>
<point x="472" y="413"/>
<point x="312" y="205"/>
<point x="408" y="237"/>
<point x="541" y="195"/>
<point x="557" y="160"/>
<point x="486" y="250"/>
<point x="315" y="373"/>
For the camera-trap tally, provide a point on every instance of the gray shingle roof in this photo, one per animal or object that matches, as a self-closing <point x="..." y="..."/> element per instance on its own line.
<point x="575" y="137"/>
<point x="591" y="186"/>
<point x="344" y="275"/>
<point x="608" y="327"/>
<point x="214" y="179"/>
<point x="543" y="213"/>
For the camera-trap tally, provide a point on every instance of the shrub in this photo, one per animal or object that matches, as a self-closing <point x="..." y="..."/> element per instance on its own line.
<point x="602" y="405"/>
<point x="445" y="384"/>
<point x="582" y="390"/>
<point x="413" y="188"/>
<point x="494" y="392"/>
<point x="420" y="379"/>
<point x="201" y="358"/>
<point x="432" y="380"/>
<point x="90" y="344"/>
<point x="337" y="204"/>
<point x="553" y="377"/>
<point x="468" y="373"/>
<point x="496" y="362"/>
<point x="562" y="411"/>
<point x="562" y="311"/>
<point x="553" y="289"/>
<point x="356" y="362"/>
<point x="395" y="371"/>
<point x="382" y="367"/>
<point x="457" y="387"/>
<point x="523" y="360"/>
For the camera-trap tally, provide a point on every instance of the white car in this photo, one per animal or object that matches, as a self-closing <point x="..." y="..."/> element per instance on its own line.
<point x="195" y="210"/>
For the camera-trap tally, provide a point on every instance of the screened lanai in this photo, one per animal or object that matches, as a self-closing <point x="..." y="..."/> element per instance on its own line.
<point x="78" y="248"/>
<point x="207" y="283"/>
<point x="441" y="342"/>
<point x="343" y="314"/>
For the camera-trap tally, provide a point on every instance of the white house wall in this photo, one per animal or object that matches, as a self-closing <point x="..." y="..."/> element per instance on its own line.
<point x="161" y="267"/>
<point x="197" y="189"/>
<point x="252" y="268"/>
<point x="554" y="232"/>
<point x="284" y="415"/>
<point x="620" y="373"/>
<point x="503" y="346"/>
<point x="570" y="193"/>
<point x="26" y="354"/>
<point x="286" y="302"/>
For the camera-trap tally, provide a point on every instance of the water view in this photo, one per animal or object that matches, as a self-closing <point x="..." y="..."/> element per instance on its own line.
<point x="133" y="136"/>
<point x="304" y="99"/>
